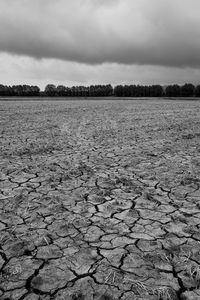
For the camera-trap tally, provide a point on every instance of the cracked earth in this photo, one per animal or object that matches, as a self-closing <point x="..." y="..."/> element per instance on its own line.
<point x="100" y="200"/>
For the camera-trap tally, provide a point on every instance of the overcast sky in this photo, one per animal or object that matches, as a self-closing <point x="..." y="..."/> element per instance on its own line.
<point x="84" y="42"/>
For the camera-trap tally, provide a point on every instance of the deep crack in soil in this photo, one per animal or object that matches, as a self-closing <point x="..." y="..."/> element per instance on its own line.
<point x="100" y="200"/>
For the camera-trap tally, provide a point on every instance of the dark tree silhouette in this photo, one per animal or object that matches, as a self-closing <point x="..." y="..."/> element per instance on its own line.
<point x="50" y="90"/>
<point x="25" y="91"/>
<point x="118" y="91"/>
<point x="156" y="91"/>
<point x="5" y="90"/>
<point x="187" y="90"/>
<point x="197" y="91"/>
<point x="61" y="91"/>
<point x="173" y="90"/>
<point x="138" y="91"/>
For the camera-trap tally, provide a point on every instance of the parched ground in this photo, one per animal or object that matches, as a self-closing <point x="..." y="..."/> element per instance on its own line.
<point x="100" y="200"/>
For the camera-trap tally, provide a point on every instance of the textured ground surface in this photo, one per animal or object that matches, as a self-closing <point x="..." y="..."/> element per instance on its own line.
<point x="100" y="200"/>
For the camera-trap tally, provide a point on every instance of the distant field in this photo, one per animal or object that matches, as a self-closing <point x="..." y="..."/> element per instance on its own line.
<point x="100" y="199"/>
<point x="110" y="98"/>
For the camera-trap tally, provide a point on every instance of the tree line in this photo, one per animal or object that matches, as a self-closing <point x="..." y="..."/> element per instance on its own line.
<point x="175" y="90"/>
<point x="19" y="90"/>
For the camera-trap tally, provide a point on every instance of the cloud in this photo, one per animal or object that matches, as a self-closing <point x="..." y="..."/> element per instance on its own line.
<point x="16" y="69"/>
<point x="156" y="32"/>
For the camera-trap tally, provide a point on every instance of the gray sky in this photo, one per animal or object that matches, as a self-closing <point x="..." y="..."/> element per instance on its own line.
<point x="99" y="41"/>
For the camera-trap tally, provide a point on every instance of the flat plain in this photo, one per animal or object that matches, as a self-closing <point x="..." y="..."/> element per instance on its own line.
<point x="100" y="199"/>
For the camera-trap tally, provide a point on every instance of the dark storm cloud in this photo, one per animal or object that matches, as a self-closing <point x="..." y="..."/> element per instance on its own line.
<point x="16" y="69"/>
<point x="156" y="32"/>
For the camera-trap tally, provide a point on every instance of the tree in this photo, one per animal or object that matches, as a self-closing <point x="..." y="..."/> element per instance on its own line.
<point x="108" y="90"/>
<point x="187" y="90"/>
<point x="4" y="90"/>
<point x="118" y="91"/>
<point x="146" y="91"/>
<point x="156" y="91"/>
<point x="50" y="90"/>
<point x="197" y="91"/>
<point x="61" y="90"/>
<point x="35" y="91"/>
<point x="173" y="91"/>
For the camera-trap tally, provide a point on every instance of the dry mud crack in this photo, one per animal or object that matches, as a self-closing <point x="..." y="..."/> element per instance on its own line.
<point x="100" y="200"/>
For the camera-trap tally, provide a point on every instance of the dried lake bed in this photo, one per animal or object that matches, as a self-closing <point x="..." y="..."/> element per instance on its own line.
<point x="100" y="199"/>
